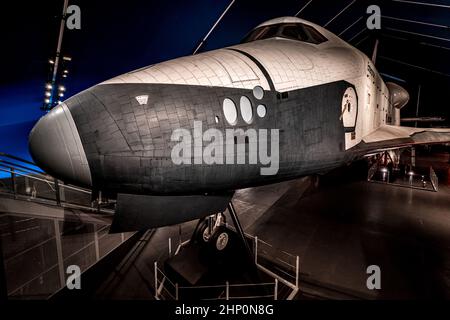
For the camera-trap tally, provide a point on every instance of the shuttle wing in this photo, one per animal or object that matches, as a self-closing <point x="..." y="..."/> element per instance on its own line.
<point x="393" y="137"/>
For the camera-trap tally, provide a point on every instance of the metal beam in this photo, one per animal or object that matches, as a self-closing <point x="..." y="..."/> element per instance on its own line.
<point x="340" y="12"/>
<point x="357" y="34"/>
<point x="417" y="22"/>
<point x="346" y="29"/>
<point x="392" y="77"/>
<point x="424" y="3"/>
<point x="414" y="66"/>
<point x="213" y="27"/>
<point x="418" y="103"/>
<point x="421" y="42"/>
<point x="361" y="41"/>
<point x="303" y="8"/>
<point x="417" y="34"/>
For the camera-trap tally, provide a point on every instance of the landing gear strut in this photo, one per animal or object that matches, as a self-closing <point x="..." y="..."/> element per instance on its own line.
<point x="211" y="230"/>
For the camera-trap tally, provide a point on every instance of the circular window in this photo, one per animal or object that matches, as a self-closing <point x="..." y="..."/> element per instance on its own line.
<point x="229" y="111"/>
<point x="261" y="111"/>
<point x="246" y="109"/>
<point x="258" y="92"/>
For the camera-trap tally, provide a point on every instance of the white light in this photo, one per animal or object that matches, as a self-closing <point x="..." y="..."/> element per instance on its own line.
<point x="61" y="94"/>
<point x="411" y="173"/>
<point x="51" y="61"/>
<point x="49" y="86"/>
<point x="62" y="88"/>
<point x="47" y="100"/>
<point x="59" y="102"/>
<point x="64" y="75"/>
<point x="66" y="71"/>
<point x="47" y="94"/>
<point x="384" y="169"/>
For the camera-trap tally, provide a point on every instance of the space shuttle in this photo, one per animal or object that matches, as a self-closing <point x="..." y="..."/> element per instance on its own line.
<point x="308" y="99"/>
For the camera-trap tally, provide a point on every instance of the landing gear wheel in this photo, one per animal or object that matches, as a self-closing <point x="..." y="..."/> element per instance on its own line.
<point x="201" y="234"/>
<point x="220" y="239"/>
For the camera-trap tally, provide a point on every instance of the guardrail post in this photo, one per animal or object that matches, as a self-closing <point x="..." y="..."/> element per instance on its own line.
<point x="62" y="191"/>
<point x="27" y="186"/>
<point x="13" y="181"/>
<point x="297" y="271"/>
<point x="170" y="247"/>
<point x="256" y="250"/>
<point x="99" y="201"/>
<point x="275" y="294"/>
<point x="155" y="268"/>
<point x="58" y="198"/>
<point x="176" y="291"/>
<point x="227" y="291"/>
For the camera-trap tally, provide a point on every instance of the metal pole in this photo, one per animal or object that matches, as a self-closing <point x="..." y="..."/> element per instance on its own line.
<point x="97" y="247"/>
<point x="256" y="250"/>
<point x="275" y="294"/>
<point x="60" y="39"/>
<point x="213" y="27"/>
<point x="303" y="8"/>
<point x="297" y="271"/>
<point x="418" y="103"/>
<point x="13" y="180"/>
<point x="59" y="254"/>
<point x="176" y="291"/>
<point x="227" y="291"/>
<point x="413" y="150"/>
<point x="340" y="12"/>
<point x="155" y="269"/>
<point x="58" y="198"/>
<point x="348" y="28"/>
<point x="375" y="52"/>
<point x="170" y="247"/>
<point x="239" y="229"/>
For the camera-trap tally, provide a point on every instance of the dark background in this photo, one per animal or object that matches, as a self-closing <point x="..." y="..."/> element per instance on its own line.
<point x="117" y="37"/>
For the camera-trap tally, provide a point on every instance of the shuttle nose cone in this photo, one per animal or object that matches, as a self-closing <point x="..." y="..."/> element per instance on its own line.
<point x="56" y="147"/>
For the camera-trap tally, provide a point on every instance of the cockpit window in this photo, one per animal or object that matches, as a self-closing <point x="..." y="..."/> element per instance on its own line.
<point x="262" y="33"/>
<point x="314" y="35"/>
<point x="295" y="31"/>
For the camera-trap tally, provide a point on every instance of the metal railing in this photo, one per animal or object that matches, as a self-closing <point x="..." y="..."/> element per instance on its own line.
<point x="98" y="243"/>
<point x="168" y="290"/>
<point x="22" y="180"/>
<point x="434" y="179"/>
<point x="281" y="266"/>
<point x="372" y="170"/>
